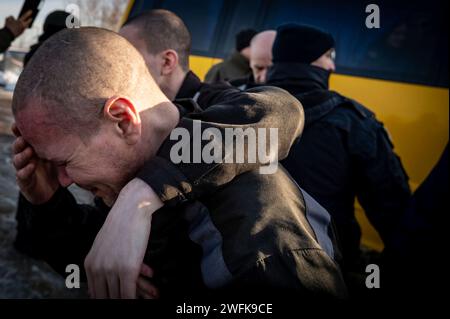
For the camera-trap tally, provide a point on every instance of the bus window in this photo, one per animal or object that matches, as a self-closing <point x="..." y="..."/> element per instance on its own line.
<point x="201" y="17"/>
<point x="245" y="15"/>
<point x="410" y="46"/>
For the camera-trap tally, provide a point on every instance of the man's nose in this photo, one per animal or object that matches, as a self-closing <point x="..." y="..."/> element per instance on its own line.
<point x="63" y="178"/>
<point x="260" y="77"/>
<point x="263" y="76"/>
<point x="333" y="67"/>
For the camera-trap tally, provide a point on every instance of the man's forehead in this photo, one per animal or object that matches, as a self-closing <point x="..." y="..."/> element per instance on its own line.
<point x="39" y="131"/>
<point x="32" y="118"/>
<point x="261" y="62"/>
<point x="261" y="54"/>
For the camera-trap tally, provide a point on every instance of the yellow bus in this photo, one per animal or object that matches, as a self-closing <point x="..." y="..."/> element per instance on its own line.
<point x="399" y="70"/>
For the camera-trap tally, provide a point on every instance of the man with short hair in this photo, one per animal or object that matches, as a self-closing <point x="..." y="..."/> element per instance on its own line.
<point x="237" y="65"/>
<point x="261" y="55"/>
<point x="260" y="60"/>
<point x="165" y="43"/>
<point x="103" y="123"/>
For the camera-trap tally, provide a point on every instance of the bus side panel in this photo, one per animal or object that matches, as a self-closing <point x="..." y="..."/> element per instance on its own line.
<point x="201" y="65"/>
<point x="416" y="117"/>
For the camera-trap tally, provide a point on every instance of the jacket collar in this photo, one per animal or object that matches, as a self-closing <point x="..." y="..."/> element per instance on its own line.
<point x="189" y="87"/>
<point x="299" y="76"/>
<point x="309" y="84"/>
<point x="184" y="99"/>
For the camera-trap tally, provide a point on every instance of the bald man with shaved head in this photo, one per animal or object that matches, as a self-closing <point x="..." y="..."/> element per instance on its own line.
<point x="261" y="54"/>
<point x="89" y="112"/>
<point x="260" y="60"/>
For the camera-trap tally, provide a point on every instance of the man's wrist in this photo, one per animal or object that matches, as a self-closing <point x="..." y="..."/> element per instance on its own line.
<point x="143" y="195"/>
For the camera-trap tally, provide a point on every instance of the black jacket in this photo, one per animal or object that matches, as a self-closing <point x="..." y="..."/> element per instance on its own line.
<point x="223" y="226"/>
<point x="190" y="87"/>
<point x="6" y="38"/>
<point x="344" y="152"/>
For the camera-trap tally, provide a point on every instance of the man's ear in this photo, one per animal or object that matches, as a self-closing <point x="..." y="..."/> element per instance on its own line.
<point x="170" y="61"/>
<point x="124" y="114"/>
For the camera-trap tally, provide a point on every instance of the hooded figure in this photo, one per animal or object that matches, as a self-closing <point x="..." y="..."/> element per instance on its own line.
<point x="344" y="152"/>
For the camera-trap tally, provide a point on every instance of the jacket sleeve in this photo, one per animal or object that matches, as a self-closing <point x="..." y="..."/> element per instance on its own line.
<point x="263" y="108"/>
<point x="60" y="232"/>
<point x="382" y="183"/>
<point x="306" y="273"/>
<point x="6" y="38"/>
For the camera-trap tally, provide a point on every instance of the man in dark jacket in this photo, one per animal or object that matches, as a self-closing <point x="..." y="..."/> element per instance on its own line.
<point x="205" y="237"/>
<point x="237" y="65"/>
<point x="164" y="42"/>
<point x="344" y="152"/>
<point x="260" y="60"/>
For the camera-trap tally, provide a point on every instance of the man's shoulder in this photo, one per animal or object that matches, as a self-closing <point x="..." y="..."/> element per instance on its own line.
<point x="214" y="73"/>
<point x="216" y="67"/>
<point x="223" y="92"/>
<point x="350" y="115"/>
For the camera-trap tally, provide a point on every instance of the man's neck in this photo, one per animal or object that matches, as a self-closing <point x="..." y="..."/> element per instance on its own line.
<point x="173" y="82"/>
<point x="157" y="123"/>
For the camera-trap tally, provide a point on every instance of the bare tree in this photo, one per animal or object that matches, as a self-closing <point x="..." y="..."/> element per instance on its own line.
<point x="101" y="13"/>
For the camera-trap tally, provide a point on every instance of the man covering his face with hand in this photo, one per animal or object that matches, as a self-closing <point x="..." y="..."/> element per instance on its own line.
<point x="104" y="124"/>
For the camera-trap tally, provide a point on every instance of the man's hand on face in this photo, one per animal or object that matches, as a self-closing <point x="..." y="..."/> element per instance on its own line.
<point x="36" y="178"/>
<point x="115" y="259"/>
<point x="18" y="26"/>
